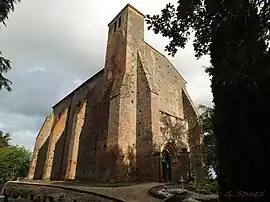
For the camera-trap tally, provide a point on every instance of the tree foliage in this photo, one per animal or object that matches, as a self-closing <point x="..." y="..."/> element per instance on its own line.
<point x="236" y="36"/>
<point x="14" y="160"/>
<point x="4" y="139"/>
<point x="204" y="18"/>
<point x="210" y="144"/>
<point x="6" y="6"/>
<point x="14" y="163"/>
<point x="4" y="68"/>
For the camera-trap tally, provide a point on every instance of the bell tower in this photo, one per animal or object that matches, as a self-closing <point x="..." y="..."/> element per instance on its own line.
<point x="126" y="32"/>
<point x="125" y="41"/>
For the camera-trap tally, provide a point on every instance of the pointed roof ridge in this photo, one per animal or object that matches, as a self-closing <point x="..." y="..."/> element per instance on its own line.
<point x="127" y="6"/>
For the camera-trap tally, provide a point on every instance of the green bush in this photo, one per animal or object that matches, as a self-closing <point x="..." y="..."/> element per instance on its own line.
<point x="207" y="187"/>
<point x="14" y="163"/>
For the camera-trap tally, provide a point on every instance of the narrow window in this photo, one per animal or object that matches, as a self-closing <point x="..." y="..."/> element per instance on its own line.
<point x="110" y="29"/>
<point x="115" y="25"/>
<point x="119" y="23"/>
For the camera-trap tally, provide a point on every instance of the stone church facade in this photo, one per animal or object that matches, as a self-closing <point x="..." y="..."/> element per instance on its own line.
<point x="118" y="123"/>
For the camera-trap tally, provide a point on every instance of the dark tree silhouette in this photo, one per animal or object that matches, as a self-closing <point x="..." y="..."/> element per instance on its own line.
<point x="6" y="6"/>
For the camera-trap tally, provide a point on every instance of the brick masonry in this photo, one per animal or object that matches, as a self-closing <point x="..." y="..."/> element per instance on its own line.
<point x="110" y="126"/>
<point x="40" y="150"/>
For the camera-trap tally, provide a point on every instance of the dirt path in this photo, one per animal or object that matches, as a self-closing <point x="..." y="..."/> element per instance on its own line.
<point x="130" y="193"/>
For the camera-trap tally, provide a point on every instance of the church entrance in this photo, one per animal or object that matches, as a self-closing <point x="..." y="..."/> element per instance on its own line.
<point x="166" y="166"/>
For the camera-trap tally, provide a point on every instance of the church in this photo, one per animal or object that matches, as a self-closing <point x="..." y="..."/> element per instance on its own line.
<point x="132" y="120"/>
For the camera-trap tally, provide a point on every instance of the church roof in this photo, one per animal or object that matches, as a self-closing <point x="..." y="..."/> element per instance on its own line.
<point x="84" y="83"/>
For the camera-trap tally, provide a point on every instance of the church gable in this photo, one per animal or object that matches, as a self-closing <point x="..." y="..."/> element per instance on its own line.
<point x="165" y="81"/>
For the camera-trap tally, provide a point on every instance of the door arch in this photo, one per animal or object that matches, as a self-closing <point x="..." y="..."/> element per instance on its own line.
<point x="166" y="166"/>
<point x="168" y="156"/>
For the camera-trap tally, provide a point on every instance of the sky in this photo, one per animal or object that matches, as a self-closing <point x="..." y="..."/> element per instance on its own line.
<point x="55" y="45"/>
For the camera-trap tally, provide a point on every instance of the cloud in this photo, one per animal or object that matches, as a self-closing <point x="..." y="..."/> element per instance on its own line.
<point x="33" y="69"/>
<point x="25" y="138"/>
<point x="77" y="81"/>
<point x="55" y="45"/>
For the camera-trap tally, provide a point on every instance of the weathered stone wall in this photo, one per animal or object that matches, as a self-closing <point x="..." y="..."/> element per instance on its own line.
<point x="166" y="86"/>
<point x="90" y="134"/>
<point x="174" y="129"/>
<point x="144" y="135"/>
<point x="77" y="116"/>
<point x="128" y="95"/>
<point x="86" y="108"/>
<point x="115" y="67"/>
<point x="168" y="82"/>
<point x="58" y="132"/>
<point x="77" y="125"/>
<point x="40" y="150"/>
<point x="61" y="142"/>
<point x="121" y="84"/>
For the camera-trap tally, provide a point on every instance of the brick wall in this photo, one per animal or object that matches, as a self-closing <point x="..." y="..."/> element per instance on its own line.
<point x="40" y="150"/>
<point x="115" y="67"/>
<point x="53" y="158"/>
<point x="128" y="94"/>
<point x="144" y="136"/>
<point x="90" y="132"/>
<point x="77" y="124"/>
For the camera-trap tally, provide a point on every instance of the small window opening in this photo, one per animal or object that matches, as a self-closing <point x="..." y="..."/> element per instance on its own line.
<point x="119" y="22"/>
<point x="115" y="25"/>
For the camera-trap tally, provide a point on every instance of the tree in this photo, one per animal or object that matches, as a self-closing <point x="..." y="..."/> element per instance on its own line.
<point x="14" y="163"/>
<point x="210" y="144"/>
<point x="4" y="139"/>
<point x="236" y="35"/>
<point x="6" y="7"/>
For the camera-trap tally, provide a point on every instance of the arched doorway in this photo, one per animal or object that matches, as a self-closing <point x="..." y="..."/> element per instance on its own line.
<point x="168" y="156"/>
<point x="166" y="165"/>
